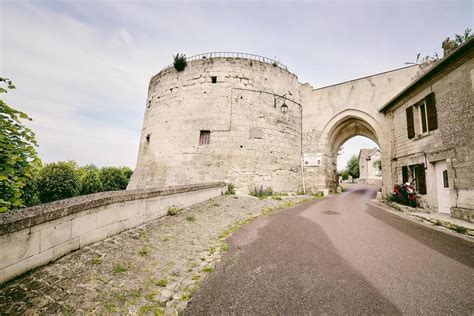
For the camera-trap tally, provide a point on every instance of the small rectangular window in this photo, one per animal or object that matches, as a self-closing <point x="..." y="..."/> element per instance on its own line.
<point x="445" y="179"/>
<point x="205" y="138"/>
<point x="214" y="79"/>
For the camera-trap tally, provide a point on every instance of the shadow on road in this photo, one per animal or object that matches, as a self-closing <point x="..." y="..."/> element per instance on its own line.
<point x="443" y="243"/>
<point x="291" y="268"/>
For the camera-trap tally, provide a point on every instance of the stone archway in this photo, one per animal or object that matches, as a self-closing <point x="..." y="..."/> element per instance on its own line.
<point x="342" y="127"/>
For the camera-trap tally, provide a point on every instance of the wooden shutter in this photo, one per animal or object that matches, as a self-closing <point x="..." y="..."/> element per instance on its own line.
<point x="404" y="174"/>
<point x="410" y="123"/>
<point x="431" y="112"/>
<point x="421" y="178"/>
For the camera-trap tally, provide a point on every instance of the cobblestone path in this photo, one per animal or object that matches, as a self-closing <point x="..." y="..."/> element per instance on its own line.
<point x="152" y="269"/>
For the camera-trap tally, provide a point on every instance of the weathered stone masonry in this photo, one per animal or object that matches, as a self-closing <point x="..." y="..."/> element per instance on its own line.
<point x="252" y="142"/>
<point x="238" y="101"/>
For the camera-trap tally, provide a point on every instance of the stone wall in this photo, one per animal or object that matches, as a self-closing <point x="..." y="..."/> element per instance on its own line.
<point x="37" y="235"/>
<point x="251" y="140"/>
<point x="452" y="141"/>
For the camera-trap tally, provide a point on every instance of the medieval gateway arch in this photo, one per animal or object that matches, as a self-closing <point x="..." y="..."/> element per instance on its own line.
<point x="247" y="120"/>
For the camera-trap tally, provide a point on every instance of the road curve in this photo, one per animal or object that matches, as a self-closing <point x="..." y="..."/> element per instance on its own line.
<point x="340" y="255"/>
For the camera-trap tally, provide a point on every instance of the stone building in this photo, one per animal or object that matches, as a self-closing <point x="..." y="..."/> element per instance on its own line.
<point x="432" y="123"/>
<point x="247" y="120"/>
<point x="369" y="166"/>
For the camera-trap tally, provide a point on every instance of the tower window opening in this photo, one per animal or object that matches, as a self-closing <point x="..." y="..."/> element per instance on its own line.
<point x="214" y="79"/>
<point x="204" y="137"/>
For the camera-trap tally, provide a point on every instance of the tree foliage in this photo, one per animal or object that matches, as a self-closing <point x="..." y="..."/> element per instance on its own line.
<point x="58" y="180"/>
<point x="18" y="157"/>
<point x="352" y="166"/>
<point x="113" y="179"/>
<point x="90" y="182"/>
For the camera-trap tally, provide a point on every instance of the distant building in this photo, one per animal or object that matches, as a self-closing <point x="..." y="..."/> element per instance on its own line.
<point x="370" y="168"/>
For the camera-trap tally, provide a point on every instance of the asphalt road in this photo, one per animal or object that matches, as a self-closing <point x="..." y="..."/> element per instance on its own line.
<point x="340" y="255"/>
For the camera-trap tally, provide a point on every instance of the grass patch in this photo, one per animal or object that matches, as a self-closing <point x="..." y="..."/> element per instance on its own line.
<point x="276" y="198"/>
<point x="172" y="210"/>
<point x="458" y="228"/>
<point x="318" y="195"/>
<point x="161" y="282"/>
<point x="212" y="250"/>
<point x="97" y="260"/>
<point x="214" y="205"/>
<point x="67" y="310"/>
<point x="151" y="309"/>
<point x="196" y="277"/>
<point x="143" y="252"/>
<point x="119" y="268"/>
<point x="259" y="191"/>
<point x="224" y="247"/>
<point x="190" y="218"/>
<point x="208" y="269"/>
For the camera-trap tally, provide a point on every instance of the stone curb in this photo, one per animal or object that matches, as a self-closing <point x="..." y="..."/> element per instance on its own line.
<point x="421" y="221"/>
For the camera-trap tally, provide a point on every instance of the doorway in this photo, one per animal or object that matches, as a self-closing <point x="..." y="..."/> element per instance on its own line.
<point x="442" y="187"/>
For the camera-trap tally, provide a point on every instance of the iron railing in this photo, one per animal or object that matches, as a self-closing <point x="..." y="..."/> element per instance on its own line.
<point x="233" y="55"/>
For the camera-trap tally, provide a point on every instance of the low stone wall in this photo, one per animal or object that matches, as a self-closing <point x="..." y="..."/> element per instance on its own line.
<point x="463" y="213"/>
<point x="34" y="236"/>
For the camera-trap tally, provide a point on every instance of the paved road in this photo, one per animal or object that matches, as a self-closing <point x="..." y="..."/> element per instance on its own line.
<point x="340" y="256"/>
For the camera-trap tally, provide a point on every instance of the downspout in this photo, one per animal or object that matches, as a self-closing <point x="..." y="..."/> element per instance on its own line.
<point x="301" y="153"/>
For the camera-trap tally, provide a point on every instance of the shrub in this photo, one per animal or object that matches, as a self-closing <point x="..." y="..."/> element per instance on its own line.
<point x="179" y="62"/>
<point x="58" y="181"/>
<point x="230" y="189"/>
<point x="90" y="182"/>
<point x="259" y="191"/>
<point x="172" y="210"/>
<point x="112" y="179"/>
<point x="127" y="172"/>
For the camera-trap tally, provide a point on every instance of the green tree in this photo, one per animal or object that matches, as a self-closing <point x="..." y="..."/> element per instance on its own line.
<point x="352" y="166"/>
<point x="90" y="181"/>
<point x="112" y="179"/>
<point x="127" y="172"/>
<point x="58" y="180"/>
<point x="18" y="157"/>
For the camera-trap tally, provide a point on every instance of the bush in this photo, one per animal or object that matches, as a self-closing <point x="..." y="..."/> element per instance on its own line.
<point x="58" y="181"/>
<point x="127" y="172"/>
<point x="90" y="182"/>
<point x="172" y="210"/>
<point x="230" y="189"/>
<point x="179" y="62"/>
<point x="259" y="191"/>
<point x="112" y="179"/>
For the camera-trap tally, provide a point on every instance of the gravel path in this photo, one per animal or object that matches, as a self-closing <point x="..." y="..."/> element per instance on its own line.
<point x="152" y="269"/>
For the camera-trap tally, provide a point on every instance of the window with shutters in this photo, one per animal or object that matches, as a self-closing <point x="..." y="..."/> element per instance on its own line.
<point x="205" y="138"/>
<point x="415" y="174"/>
<point x="421" y="117"/>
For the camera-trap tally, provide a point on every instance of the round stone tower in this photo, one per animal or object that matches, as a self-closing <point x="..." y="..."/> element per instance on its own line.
<point x="227" y="117"/>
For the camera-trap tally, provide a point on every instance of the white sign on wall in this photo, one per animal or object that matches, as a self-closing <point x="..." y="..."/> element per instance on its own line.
<point x="313" y="159"/>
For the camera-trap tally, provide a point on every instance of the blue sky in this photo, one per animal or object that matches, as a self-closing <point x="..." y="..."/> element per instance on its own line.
<point x="82" y="67"/>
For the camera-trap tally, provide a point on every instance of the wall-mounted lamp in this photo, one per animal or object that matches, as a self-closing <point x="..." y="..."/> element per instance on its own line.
<point x="283" y="107"/>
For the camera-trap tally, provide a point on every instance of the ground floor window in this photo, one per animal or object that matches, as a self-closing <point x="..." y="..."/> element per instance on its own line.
<point x="415" y="174"/>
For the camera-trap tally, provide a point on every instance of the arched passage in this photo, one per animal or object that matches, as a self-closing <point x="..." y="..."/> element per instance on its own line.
<point x="342" y="127"/>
